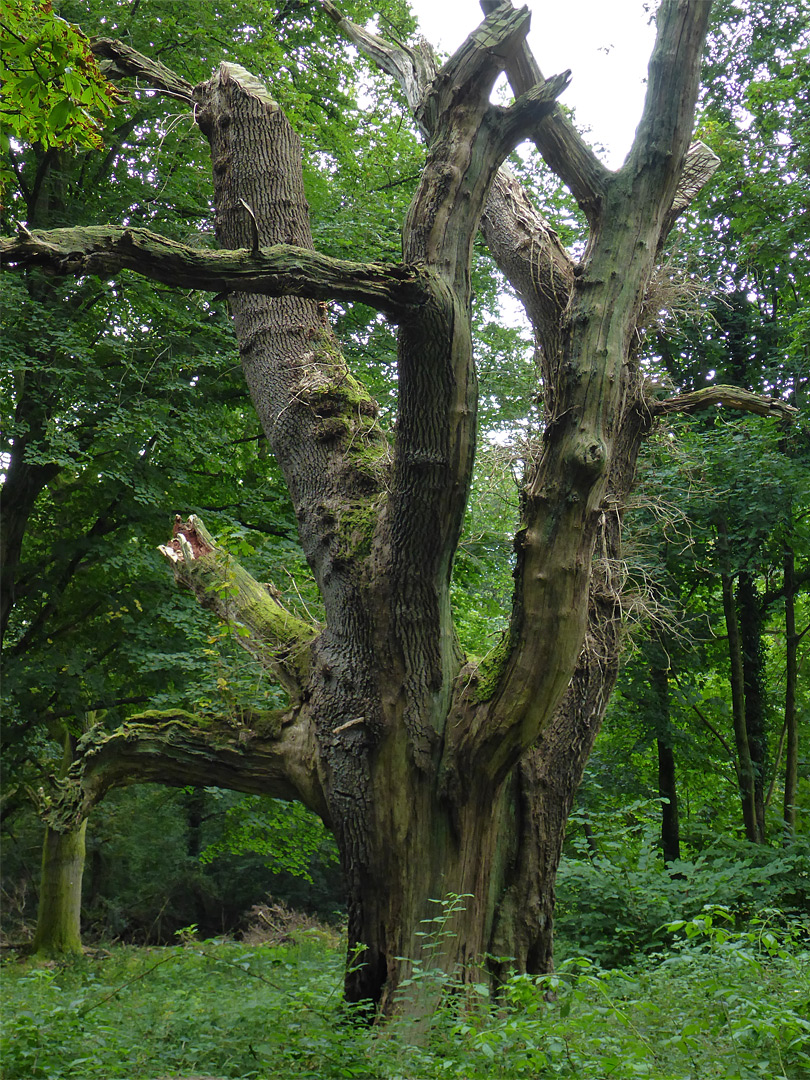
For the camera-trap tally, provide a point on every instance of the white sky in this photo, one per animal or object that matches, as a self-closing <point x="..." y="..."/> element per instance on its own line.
<point x="605" y="43"/>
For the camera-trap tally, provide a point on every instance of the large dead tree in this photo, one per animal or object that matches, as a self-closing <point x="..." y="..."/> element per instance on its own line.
<point x="438" y="776"/>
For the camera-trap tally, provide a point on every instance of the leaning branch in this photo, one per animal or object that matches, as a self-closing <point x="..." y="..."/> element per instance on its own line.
<point x="262" y="624"/>
<point x="561" y="146"/>
<point x="521" y="241"/>
<point x="413" y="69"/>
<point x="282" y="270"/>
<point x="733" y="397"/>
<point x="119" y="61"/>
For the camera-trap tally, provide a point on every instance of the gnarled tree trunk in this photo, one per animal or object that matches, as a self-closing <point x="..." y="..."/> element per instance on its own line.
<point x="440" y="777"/>
<point x="58" y="931"/>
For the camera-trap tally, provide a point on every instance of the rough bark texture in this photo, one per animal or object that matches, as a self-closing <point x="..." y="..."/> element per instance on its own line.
<point x="60" y="892"/>
<point x="439" y="777"/>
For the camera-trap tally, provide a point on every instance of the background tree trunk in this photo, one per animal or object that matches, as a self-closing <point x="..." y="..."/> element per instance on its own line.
<point x="668" y="792"/>
<point x="744" y="763"/>
<point x="58" y="930"/>
<point x="791" y="678"/>
<point x="750" y="621"/>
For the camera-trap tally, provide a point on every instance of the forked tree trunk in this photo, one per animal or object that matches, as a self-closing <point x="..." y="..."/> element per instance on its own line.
<point x="382" y="676"/>
<point x="440" y="778"/>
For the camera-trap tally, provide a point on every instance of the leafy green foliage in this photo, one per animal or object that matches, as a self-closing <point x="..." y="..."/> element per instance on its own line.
<point x="720" y="1003"/>
<point x="53" y="91"/>
<point x="139" y="891"/>
<point x="750" y="477"/>
<point x="614" y="896"/>
<point x="286" y="834"/>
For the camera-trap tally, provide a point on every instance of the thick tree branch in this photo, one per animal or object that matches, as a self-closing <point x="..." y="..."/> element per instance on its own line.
<point x="119" y="61"/>
<point x="260" y="754"/>
<point x="413" y="69"/>
<point x="471" y="71"/>
<point x="529" y="253"/>
<point x="596" y="423"/>
<point x="435" y="443"/>
<point x="281" y="270"/>
<point x="699" y="166"/>
<point x="570" y="158"/>
<point x="264" y="627"/>
<point x="733" y="397"/>
<point x="664" y="132"/>
<point x="562" y="148"/>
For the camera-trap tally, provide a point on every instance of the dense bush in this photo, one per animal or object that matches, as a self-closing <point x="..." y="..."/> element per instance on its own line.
<point x="613" y="904"/>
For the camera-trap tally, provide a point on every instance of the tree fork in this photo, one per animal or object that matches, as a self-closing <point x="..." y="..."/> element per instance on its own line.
<point x="403" y="752"/>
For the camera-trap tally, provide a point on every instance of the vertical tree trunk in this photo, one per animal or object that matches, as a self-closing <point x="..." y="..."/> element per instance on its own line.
<point x="667" y="786"/>
<point x="21" y="487"/>
<point x="668" y="792"/>
<point x="750" y="621"/>
<point x="194" y="805"/>
<point x="60" y="893"/>
<point x="744" y="764"/>
<point x="791" y="676"/>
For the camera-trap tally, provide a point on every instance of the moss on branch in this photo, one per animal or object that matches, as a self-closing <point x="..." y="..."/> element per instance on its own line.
<point x="732" y="397"/>
<point x="395" y="288"/>
<point x="221" y="584"/>
<point x="261" y="752"/>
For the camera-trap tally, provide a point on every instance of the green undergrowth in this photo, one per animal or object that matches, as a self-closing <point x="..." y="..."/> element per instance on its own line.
<point x="719" y="1003"/>
<point x="611" y="905"/>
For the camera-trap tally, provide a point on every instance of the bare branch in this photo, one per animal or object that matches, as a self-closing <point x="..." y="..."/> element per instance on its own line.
<point x="733" y="397"/>
<point x="560" y="144"/>
<point x="264" y="627"/>
<point x="282" y="270"/>
<point x="413" y="69"/>
<point x="119" y="61"/>
<point x="664" y="132"/>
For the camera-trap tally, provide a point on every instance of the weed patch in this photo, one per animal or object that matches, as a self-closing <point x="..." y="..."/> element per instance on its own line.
<point x="716" y="1003"/>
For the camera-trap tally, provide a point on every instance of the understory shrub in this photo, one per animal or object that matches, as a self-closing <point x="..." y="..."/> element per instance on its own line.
<point x="612" y="905"/>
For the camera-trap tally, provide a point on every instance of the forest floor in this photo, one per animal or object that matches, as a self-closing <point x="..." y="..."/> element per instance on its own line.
<point x="711" y="1004"/>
